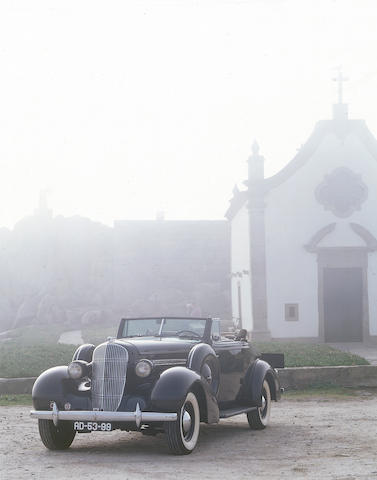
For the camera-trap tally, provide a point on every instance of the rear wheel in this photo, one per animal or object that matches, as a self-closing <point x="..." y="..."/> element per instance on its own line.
<point x="258" y="419"/>
<point x="183" y="434"/>
<point x="56" y="438"/>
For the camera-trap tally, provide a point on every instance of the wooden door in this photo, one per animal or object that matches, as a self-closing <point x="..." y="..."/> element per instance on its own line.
<point x="343" y="304"/>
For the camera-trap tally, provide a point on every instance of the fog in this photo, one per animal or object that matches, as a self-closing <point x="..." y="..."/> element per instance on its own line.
<point x="121" y="109"/>
<point x="118" y="110"/>
<point x="73" y="271"/>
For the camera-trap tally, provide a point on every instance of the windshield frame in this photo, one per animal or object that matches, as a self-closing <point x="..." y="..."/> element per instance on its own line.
<point x="205" y="337"/>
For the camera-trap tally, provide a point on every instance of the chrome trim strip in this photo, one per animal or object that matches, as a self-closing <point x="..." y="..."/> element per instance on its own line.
<point x="191" y="355"/>
<point x="137" y="416"/>
<point x="173" y="361"/>
<point x="77" y="353"/>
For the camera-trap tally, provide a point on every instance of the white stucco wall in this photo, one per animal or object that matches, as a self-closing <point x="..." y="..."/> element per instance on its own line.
<point x="372" y="293"/>
<point x="293" y="216"/>
<point x="240" y="264"/>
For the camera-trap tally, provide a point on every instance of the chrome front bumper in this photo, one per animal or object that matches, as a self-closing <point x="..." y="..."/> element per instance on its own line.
<point x="137" y="416"/>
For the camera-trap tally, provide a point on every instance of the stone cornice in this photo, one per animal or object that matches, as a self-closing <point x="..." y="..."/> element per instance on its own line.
<point x="312" y="246"/>
<point x="369" y="239"/>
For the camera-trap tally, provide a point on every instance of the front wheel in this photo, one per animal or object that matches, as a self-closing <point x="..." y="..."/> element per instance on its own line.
<point x="56" y="438"/>
<point x="184" y="432"/>
<point x="258" y="419"/>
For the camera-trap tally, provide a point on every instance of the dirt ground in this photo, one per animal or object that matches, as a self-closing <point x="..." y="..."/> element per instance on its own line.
<point x="315" y="439"/>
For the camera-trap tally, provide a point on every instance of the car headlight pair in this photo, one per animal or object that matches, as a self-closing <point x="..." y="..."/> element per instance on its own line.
<point x="78" y="369"/>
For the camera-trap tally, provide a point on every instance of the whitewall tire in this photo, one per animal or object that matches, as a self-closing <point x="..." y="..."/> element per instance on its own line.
<point x="259" y="418"/>
<point x="182" y="435"/>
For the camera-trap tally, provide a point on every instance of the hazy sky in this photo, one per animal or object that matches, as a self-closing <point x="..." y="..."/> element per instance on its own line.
<point x="122" y="109"/>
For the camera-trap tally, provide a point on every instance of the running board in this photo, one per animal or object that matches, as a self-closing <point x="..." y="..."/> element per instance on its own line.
<point x="231" y="412"/>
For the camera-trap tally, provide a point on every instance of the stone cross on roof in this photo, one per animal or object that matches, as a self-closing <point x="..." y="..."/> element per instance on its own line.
<point x="340" y="79"/>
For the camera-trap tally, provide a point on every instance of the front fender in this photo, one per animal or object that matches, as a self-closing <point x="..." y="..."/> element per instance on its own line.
<point x="55" y="385"/>
<point x="84" y="352"/>
<point x="171" y="389"/>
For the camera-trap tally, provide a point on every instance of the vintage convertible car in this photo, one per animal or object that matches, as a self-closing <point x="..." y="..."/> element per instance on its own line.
<point x="159" y="375"/>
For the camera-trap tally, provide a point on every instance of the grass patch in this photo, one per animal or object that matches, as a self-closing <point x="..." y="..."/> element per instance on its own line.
<point x="36" y="334"/>
<point x="22" y="360"/>
<point x="34" y="349"/>
<point x="309" y="354"/>
<point x="10" y="400"/>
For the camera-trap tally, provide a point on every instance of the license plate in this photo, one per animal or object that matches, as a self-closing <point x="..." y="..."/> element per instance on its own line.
<point x="92" y="426"/>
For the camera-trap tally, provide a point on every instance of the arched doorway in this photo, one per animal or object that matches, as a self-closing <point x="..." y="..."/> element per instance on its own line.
<point x="343" y="285"/>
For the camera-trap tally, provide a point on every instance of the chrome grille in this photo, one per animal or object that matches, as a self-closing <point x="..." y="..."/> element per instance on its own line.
<point x="109" y="373"/>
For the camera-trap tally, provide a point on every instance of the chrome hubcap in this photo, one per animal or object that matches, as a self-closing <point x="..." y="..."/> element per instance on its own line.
<point x="263" y="407"/>
<point x="186" y="422"/>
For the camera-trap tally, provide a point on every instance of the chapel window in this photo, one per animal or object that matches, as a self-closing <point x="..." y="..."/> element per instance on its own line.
<point x="291" y="312"/>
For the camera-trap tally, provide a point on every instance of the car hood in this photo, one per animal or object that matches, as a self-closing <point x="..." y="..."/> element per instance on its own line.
<point x="165" y="347"/>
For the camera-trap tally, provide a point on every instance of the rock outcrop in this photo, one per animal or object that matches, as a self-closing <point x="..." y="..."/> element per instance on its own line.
<point x="74" y="271"/>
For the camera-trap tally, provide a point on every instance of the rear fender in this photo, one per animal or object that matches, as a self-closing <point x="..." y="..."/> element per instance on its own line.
<point x="201" y="354"/>
<point x="197" y="355"/>
<point x="254" y="379"/>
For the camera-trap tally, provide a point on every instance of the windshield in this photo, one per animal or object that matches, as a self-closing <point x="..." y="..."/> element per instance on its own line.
<point x="164" y="327"/>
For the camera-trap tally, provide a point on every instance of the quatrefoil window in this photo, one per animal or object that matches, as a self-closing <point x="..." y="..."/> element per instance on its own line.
<point x="342" y="192"/>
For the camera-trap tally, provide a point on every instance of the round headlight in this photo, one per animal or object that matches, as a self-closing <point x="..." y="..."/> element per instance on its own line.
<point x="77" y="369"/>
<point x="143" y="368"/>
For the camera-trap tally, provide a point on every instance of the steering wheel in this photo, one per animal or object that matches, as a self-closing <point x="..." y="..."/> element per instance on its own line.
<point x="189" y="332"/>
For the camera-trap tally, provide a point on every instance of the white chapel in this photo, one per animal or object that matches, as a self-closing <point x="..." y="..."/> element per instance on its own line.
<point x="303" y="242"/>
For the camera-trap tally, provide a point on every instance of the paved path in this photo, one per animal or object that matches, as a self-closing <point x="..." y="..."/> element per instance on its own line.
<point x="73" y="337"/>
<point x="367" y="351"/>
<point x="313" y="439"/>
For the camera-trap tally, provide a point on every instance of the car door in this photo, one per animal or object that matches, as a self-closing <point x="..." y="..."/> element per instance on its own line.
<point x="234" y="358"/>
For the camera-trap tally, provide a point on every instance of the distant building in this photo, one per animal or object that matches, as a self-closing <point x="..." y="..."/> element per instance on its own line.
<point x="167" y="267"/>
<point x="303" y="242"/>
